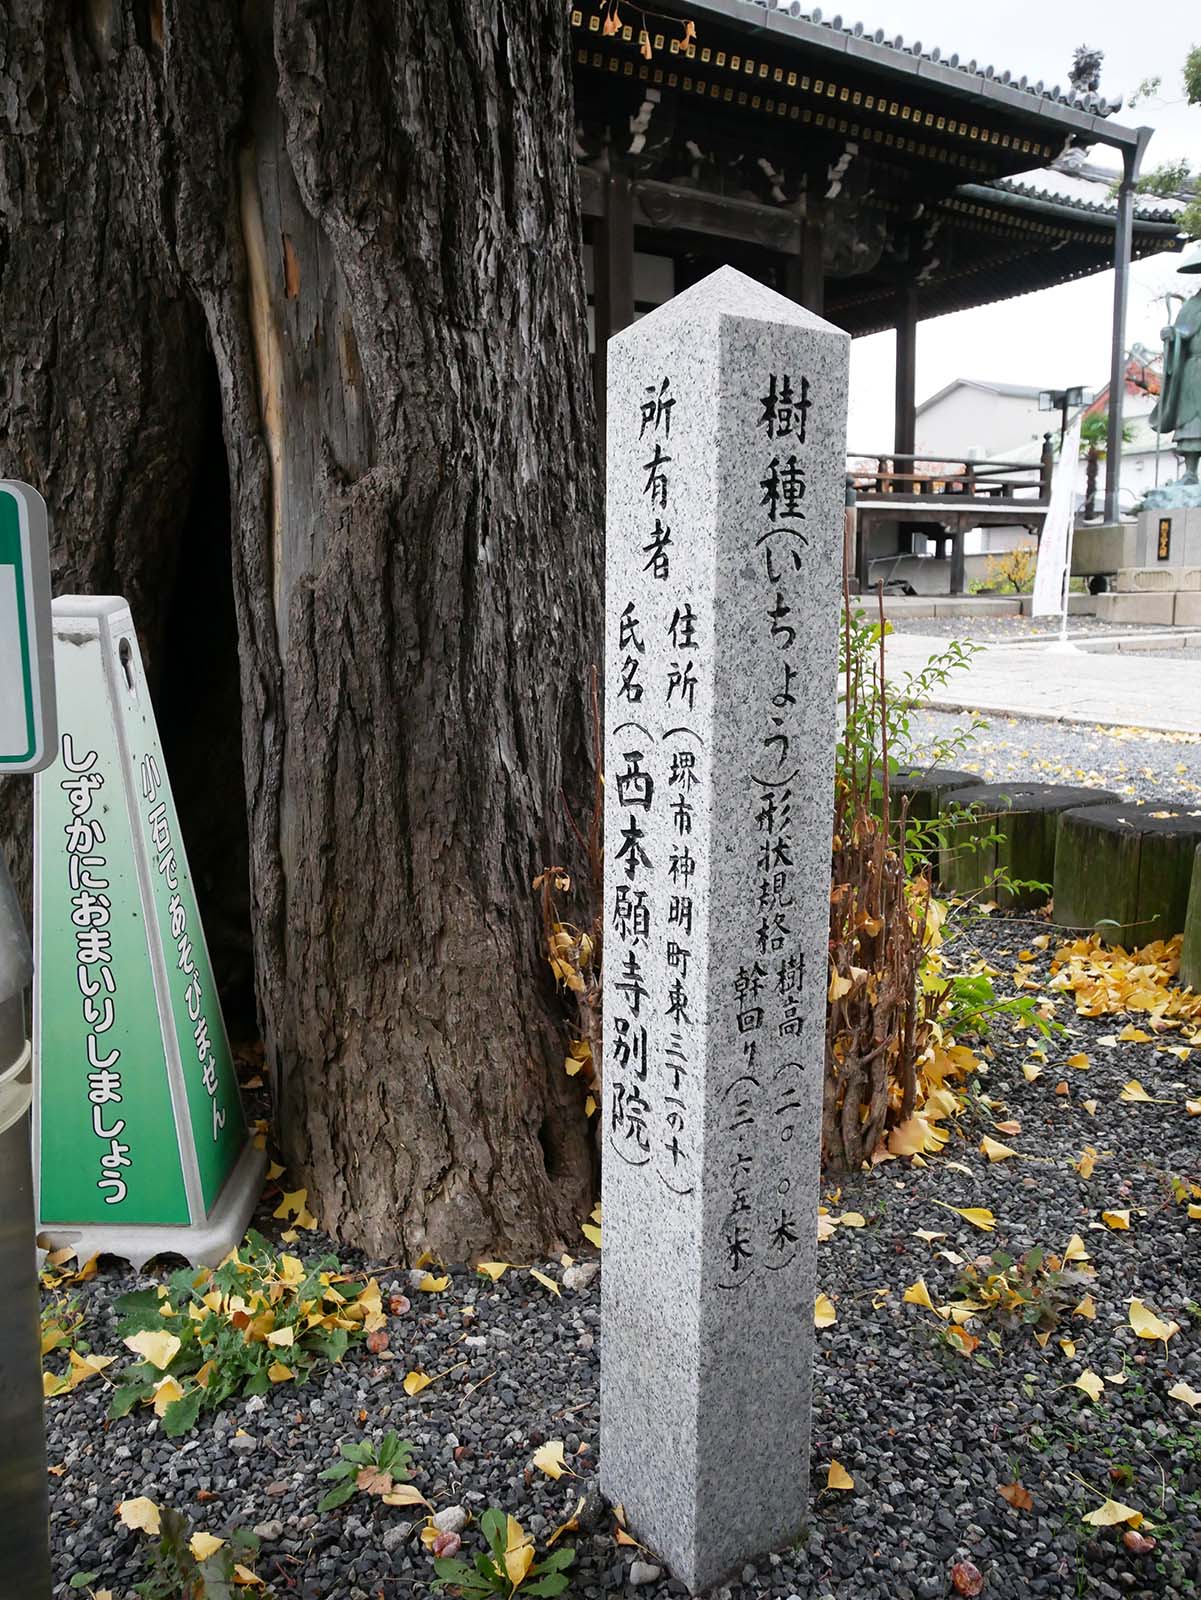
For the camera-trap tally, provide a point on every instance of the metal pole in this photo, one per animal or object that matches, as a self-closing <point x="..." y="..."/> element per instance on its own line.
<point x="24" y="1503"/>
<point x="1122" y="244"/>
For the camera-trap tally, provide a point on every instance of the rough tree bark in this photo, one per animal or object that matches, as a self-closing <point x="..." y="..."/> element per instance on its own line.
<point x="368" y="209"/>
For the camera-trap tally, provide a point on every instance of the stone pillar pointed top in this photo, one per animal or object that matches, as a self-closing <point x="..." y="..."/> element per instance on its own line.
<point x="727" y="293"/>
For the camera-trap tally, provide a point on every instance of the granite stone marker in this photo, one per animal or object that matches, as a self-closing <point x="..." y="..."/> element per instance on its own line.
<point x="726" y="464"/>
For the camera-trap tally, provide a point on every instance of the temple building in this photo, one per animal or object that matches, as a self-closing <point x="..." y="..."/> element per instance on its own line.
<point x="873" y="180"/>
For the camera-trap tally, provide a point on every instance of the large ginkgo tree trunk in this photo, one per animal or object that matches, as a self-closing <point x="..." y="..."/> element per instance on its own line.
<point x="291" y="312"/>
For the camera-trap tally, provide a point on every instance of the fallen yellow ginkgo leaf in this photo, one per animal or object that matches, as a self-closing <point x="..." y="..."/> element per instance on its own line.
<point x="591" y="1232"/>
<point x="140" y="1514"/>
<point x="1149" y="1326"/>
<point x="853" y="1219"/>
<point x="431" y="1285"/>
<point x="1079" y="1061"/>
<point x="549" y="1459"/>
<point x="1088" y="1160"/>
<point x="203" y="1545"/>
<point x="1119" y="1221"/>
<point x="1134" y="1091"/>
<point x="404" y="1494"/>
<point x="1182" y="1391"/>
<point x="492" y="1269"/>
<point x="994" y="1150"/>
<point x="1132" y="1035"/>
<point x="1068" y="1346"/>
<point x="1086" y="1308"/>
<point x="415" y="1382"/>
<point x="823" y="1311"/>
<point x="1092" y="1385"/>
<point x="837" y="1477"/>
<point x="918" y="1295"/>
<point x="547" y="1283"/>
<point x="979" y="1216"/>
<point x="1111" y="1513"/>
<point x="1090" y="1106"/>
<point x="154" y="1345"/>
<point x="1075" y="1250"/>
<point x="166" y="1390"/>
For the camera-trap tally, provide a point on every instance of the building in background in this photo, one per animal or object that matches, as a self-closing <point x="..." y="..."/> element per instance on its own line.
<point x="974" y="419"/>
<point x="874" y="181"/>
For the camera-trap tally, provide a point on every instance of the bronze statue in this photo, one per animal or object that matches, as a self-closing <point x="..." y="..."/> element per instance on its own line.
<point x="1178" y="409"/>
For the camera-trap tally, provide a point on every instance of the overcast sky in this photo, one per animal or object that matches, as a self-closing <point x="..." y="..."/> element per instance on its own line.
<point x="1060" y="336"/>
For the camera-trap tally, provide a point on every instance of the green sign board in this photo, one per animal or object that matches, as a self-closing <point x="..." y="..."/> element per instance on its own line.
<point x="138" y="1121"/>
<point x="26" y="659"/>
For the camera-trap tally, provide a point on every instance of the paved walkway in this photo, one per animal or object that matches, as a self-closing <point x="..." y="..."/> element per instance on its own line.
<point x="1115" y="690"/>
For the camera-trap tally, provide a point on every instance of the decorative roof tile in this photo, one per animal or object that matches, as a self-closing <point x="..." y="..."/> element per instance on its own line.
<point x="1151" y="208"/>
<point x="1095" y="104"/>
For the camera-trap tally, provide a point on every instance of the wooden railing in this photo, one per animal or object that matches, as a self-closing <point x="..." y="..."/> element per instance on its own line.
<point x="915" y="477"/>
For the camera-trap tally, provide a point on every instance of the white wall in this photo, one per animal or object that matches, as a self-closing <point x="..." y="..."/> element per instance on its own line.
<point x="971" y="423"/>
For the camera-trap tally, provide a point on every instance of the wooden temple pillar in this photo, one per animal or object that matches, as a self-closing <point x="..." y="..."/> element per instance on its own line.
<point x="905" y="420"/>
<point x="613" y="272"/>
<point x="804" y="273"/>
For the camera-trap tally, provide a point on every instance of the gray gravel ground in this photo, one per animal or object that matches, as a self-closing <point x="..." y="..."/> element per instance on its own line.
<point x="1129" y="761"/>
<point x="928" y="1435"/>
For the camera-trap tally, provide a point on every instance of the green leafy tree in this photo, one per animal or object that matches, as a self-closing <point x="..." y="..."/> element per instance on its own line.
<point x="1094" y="430"/>
<point x="1176" y="179"/>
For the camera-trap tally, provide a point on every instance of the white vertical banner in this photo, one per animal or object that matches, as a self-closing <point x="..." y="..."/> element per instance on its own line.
<point x="1051" y="574"/>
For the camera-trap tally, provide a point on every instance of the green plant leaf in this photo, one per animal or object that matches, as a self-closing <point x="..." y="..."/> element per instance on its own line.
<point x="82" y="1579"/>
<point x="181" y="1415"/>
<point x="337" y="1497"/>
<point x="556" y="1561"/>
<point x="127" y="1396"/>
<point x="494" y="1526"/>
<point x="555" y="1583"/>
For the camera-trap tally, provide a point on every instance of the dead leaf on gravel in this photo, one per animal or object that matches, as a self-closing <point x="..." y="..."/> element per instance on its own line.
<point x="918" y="1295"/>
<point x="1019" y="1497"/>
<point x="837" y="1477"/>
<point x="1148" y="1325"/>
<point x="966" y="1578"/>
<point x="994" y="1150"/>
<point x="1086" y="1162"/>
<point x="979" y="1216"/>
<point x="1112" y="1512"/>
<point x="404" y="1494"/>
<point x="140" y="1514"/>
<point x="549" y="1459"/>
<point x="1092" y="1385"/>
